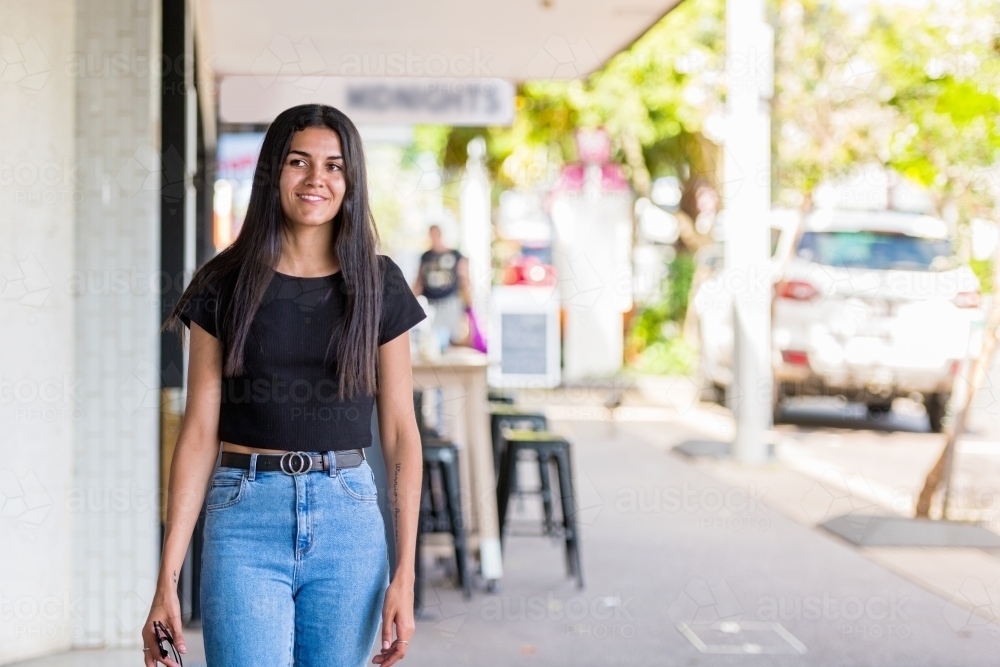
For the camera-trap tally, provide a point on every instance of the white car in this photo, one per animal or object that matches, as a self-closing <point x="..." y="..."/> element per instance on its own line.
<point x="873" y="305"/>
<point x="868" y="305"/>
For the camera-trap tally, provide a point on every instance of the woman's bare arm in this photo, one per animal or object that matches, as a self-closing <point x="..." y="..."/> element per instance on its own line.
<point x="404" y="468"/>
<point x="196" y="450"/>
<point x="190" y="469"/>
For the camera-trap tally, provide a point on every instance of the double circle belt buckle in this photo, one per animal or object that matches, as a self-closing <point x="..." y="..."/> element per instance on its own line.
<point x="295" y="463"/>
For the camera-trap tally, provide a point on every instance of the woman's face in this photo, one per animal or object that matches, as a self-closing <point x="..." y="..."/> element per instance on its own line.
<point x="312" y="181"/>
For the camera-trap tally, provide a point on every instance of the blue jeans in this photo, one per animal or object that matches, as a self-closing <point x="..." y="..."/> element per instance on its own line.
<point x="294" y="568"/>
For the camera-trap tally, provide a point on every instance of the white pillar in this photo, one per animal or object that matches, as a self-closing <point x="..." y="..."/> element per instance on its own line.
<point x="746" y="201"/>
<point x="38" y="184"/>
<point x="474" y="203"/>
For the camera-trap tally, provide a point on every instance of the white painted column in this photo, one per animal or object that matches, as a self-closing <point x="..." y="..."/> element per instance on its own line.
<point x="38" y="184"/>
<point x="474" y="202"/>
<point x="746" y="202"/>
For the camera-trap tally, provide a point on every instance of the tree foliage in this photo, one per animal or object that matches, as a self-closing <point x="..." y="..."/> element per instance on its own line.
<point x="941" y="66"/>
<point x="911" y="88"/>
<point x="829" y="112"/>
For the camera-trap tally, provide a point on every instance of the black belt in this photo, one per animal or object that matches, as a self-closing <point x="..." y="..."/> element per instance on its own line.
<point x="294" y="463"/>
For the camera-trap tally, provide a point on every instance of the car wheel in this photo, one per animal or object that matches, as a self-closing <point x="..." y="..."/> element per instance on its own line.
<point x="879" y="409"/>
<point x="936" y="406"/>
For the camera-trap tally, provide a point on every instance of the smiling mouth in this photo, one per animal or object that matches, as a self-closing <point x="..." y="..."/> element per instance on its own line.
<point x="313" y="199"/>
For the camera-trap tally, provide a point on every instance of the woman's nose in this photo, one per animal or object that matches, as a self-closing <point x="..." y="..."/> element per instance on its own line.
<point x="314" y="175"/>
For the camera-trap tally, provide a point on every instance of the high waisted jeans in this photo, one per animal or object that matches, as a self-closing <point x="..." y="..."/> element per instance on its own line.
<point x="294" y="568"/>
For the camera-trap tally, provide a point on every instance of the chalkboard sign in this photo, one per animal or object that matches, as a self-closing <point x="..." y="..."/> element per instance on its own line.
<point x="524" y="344"/>
<point x="524" y="323"/>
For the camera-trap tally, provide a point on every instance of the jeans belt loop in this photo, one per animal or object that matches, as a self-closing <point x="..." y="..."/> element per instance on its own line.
<point x="331" y="463"/>
<point x="253" y="467"/>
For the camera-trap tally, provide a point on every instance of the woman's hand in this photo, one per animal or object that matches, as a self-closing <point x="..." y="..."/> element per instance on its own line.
<point x="397" y="609"/>
<point x="166" y="609"/>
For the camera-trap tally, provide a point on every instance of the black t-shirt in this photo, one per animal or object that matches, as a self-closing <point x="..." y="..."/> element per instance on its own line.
<point x="286" y="398"/>
<point x="439" y="273"/>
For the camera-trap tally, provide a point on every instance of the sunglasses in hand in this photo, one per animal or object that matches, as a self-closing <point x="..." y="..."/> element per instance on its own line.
<point x="163" y="635"/>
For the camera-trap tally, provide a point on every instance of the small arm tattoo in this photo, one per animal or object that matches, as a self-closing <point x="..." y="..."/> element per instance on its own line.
<point x="395" y="499"/>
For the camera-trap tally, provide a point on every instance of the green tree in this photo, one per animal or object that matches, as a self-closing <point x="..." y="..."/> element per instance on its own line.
<point x="910" y="88"/>
<point x="829" y="112"/>
<point x="940" y="69"/>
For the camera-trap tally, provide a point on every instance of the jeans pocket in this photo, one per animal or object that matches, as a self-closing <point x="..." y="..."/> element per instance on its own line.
<point x="359" y="482"/>
<point x="227" y="489"/>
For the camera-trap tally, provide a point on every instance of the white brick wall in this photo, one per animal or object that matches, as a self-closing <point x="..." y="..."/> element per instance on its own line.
<point x="116" y="540"/>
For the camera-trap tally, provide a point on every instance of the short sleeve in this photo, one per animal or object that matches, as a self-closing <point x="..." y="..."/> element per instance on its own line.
<point x="202" y="308"/>
<point x="400" y="309"/>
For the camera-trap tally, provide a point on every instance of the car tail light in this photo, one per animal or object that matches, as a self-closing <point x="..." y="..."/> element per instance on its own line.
<point x="795" y="357"/>
<point x="966" y="300"/>
<point x="797" y="290"/>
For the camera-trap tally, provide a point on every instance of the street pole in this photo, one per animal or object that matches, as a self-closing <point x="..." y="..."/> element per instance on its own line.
<point x="746" y="193"/>
<point x="476" y="225"/>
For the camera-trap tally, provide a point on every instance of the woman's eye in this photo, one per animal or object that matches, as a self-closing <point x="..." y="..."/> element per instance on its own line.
<point x="334" y="167"/>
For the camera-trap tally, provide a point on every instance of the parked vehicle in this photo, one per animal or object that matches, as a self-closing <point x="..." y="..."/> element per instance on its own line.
<point x="871" y="306"/>
<point x="874" y="305"/>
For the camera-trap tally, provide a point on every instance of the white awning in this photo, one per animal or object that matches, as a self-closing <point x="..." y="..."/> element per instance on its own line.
<point x="516" y="40"/>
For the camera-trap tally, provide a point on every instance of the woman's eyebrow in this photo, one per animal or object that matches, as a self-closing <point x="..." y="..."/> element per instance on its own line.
<point x="298" y="152"/>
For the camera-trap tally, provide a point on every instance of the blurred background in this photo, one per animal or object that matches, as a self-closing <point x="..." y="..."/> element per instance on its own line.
<point x="740" y="256"/>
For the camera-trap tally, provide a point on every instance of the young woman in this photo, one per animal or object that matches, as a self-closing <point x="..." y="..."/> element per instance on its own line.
<point x="297" y="330"/>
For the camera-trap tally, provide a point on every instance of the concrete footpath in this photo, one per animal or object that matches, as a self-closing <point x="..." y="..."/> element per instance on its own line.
<point x="681" y="569"/>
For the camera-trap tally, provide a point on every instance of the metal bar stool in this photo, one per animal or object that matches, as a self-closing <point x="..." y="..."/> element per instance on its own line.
<point x="548" y="447"/>
<point x="504" y="417"/>
<point x="440" y="503"/>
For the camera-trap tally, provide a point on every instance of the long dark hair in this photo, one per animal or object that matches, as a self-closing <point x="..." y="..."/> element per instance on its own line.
<point x="240" y="274"/>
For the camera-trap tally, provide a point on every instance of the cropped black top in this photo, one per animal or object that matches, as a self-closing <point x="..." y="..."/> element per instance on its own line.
<point x="286" y="397"/>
